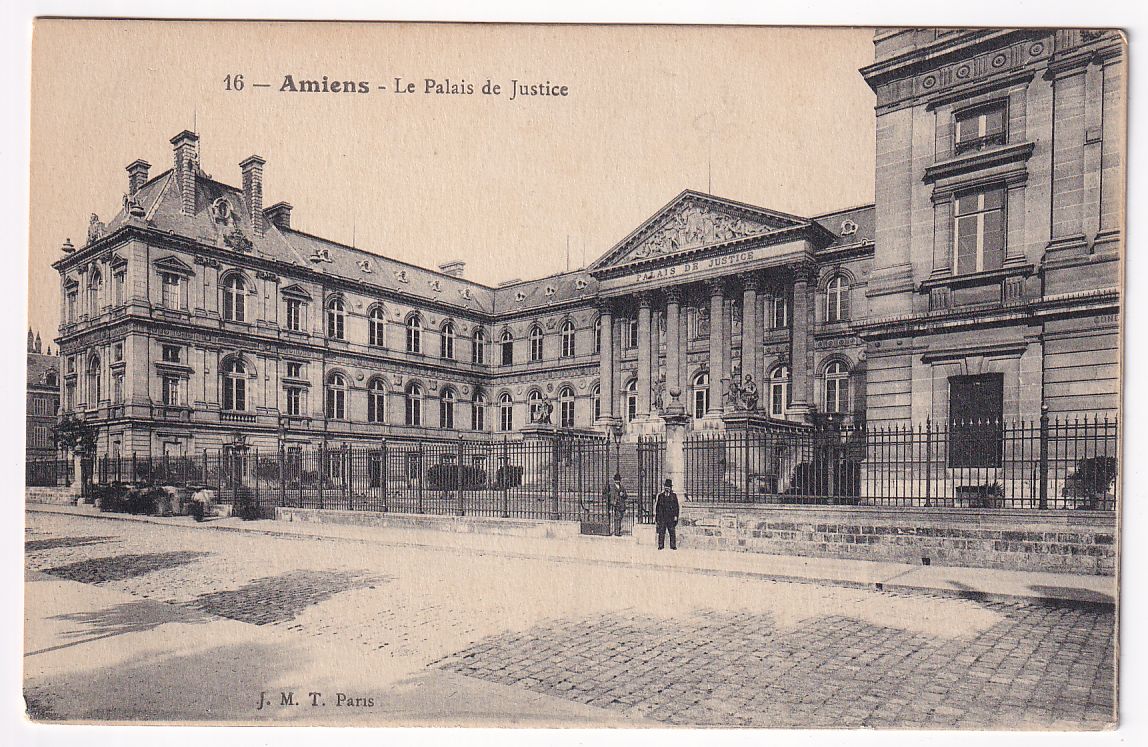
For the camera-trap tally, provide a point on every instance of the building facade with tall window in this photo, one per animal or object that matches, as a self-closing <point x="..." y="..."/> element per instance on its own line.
<point x="43" y="399"/>
<point x="983" y="282"/>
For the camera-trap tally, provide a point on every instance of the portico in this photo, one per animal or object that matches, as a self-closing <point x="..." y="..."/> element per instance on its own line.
<point x="687" y="304"/>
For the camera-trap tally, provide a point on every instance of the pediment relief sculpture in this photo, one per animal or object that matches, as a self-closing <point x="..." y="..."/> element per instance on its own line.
<point x="694" y="226"/>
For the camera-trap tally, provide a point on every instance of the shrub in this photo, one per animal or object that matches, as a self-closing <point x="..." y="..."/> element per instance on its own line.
<point x="508" y="476"/>
<point x="446" y="477"/>
<point x="1092" y="479"/>
<point x="246" y="507"/>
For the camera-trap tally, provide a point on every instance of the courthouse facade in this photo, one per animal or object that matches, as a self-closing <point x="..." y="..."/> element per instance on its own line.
<point x="983" y="282"/>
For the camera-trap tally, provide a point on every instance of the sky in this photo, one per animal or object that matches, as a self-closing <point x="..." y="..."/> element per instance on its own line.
<point x="776" y="117"/>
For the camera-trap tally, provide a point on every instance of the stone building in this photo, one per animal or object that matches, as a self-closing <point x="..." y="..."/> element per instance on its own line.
<point x="999" y="188"/>
<point x="43" y="399"/>
<point x="982" y="283"/>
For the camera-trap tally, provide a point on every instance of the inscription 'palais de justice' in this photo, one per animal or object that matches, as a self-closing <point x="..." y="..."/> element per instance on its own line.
<point x="689" y="268"/>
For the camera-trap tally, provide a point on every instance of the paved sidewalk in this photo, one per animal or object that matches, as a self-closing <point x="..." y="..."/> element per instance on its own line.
<point x="972" y="583"/>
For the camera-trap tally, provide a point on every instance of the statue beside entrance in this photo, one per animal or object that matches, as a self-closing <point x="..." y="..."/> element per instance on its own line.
<point x="742" y="394"/>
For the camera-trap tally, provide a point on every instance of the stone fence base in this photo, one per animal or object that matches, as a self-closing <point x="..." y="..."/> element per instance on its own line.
<point x="465" y="524"/>
<point x="61" y="496"/>
<point x="1020" y="540"/>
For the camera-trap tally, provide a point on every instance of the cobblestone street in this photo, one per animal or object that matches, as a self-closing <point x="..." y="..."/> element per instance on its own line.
<point x="441" y="636"/>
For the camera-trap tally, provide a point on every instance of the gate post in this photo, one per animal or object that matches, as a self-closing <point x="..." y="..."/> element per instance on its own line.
<point x="383" y="470"/>
<point x="282" y="479"/>
<point x="674" y="461"/>
<point x="347" y="475"/>
<point x="504" y="467"/>
<point x="460" y="508"/>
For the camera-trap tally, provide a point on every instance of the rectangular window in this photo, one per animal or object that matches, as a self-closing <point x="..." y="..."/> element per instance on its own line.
<point x="294" y="315"/>
<point x="118" y="388"/>
<point x="980" y="128"/>
<point x="631" y="333"/>
<point x="294" y="370"/>
<point x="976" y="409"/>
<point x="172" y="354"/>
<point x="70" y="396"/>
<point x="294" y="401"/>
<point x="172" y="391"/>
<point x="70" y="309"/>
<point x="118" y="287"/>
<point x="117" y="352"/>
<point x="172" y="290"/>
<point x="979" y="235"/>
<point x="779" y="313"/>
<point x="507" y="352"/>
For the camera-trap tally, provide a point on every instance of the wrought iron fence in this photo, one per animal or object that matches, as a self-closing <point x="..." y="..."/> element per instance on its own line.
<point x="559" y="477"/>
<point x="1045" y="464"/>
<point x="48" y="473"/>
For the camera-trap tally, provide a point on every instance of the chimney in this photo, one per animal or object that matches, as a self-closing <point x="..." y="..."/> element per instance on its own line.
<point x="186" y="151"/>
<point x="279" y="214"/>
<point x="137" y="175"/>
<point x="253" y="191"/>
<point x="452" y="268"/>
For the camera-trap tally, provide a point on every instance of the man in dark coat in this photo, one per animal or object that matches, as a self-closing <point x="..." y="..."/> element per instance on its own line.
<point x="616" y="499"/>
<point x="666" y="512"/>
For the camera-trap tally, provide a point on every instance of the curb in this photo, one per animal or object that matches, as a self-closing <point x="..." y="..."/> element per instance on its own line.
<point x="877" y="586"/>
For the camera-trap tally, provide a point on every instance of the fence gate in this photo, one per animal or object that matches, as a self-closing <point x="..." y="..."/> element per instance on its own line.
<point x="651" y="455"/>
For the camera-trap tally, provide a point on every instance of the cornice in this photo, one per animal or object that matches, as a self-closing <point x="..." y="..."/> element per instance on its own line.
<point x="979" y="160"/>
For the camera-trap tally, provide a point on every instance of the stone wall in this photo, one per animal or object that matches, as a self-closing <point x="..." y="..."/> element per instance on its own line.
<point x="62" y="496"/>
<point x="462" y="524"/>
<point x="1022" y="540"/>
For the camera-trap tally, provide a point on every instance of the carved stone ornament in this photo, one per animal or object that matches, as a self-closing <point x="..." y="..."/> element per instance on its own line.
<point x="321" y="255"/>
<point x="580" y="284"/>
<point x="401" y="276"/>
<point x="95" y="229"/>
<point x="264" y="275"/>
<point x="464" y="293"/>
<point x="519" y="296"/>
<point x="222" y="212"/>
<point x="207" y="261"/>
<point x="848" y="227"/>
<point x="550" y="291"/>
<point x="237" y="240"/>
<point x="693" y="226"/>
<point x="365" y="265"/>
<point x="436" y="286"/>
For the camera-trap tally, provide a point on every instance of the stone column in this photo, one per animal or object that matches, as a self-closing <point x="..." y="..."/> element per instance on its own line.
<point x="801" y="339"/>
<point x="673" y="343"/>
<point x="645" y="302"/>
<point x="760" y="322"/>
<point x="717" y="345"/>
<point x="750" y="334"/>
<point x="606" y="362"/>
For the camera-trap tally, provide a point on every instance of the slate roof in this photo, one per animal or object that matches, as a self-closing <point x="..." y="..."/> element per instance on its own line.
<point x="38" y="367"/>
<point x="160" y="200"/>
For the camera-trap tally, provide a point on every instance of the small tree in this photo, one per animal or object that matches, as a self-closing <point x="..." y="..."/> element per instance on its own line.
<point x="74" y="435"/>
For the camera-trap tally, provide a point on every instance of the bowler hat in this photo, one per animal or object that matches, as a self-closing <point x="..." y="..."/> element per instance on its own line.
<point x="668" y="483"/>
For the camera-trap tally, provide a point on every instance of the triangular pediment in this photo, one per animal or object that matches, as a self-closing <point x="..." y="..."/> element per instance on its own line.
<point x="691" y="221"/>
<point x="172" y="263"/>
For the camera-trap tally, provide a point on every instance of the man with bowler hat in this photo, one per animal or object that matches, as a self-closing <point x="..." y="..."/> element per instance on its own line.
<point x="666" y="512"/>
<point x="616" y="499"/>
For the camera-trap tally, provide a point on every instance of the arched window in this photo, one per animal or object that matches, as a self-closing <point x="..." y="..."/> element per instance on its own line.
<point x="337" y="396"/>
<point x="836" y="387"/>
<point x="235" y="299"/>
<point x="95" y="388"/>
<point x="336" y="319"/>
<point x="446" y="341"/>
<point x="700" y="395"/>
<point x="631" y="395"/>
<point x="506" y="343"/>
<point x="377" y="326"/>
<point x="536" y="343"/>
<point x="478" y="350"/>
<point x="376" y="401"/>
<point x="596" y="401"/>
<point x="598" y="335"/>
<point x="534" y="401"/>
<point x="446" y="409"/>
<point x="566" y="407"/>
<point x="505" y="412"/>
<point x="95" y="285"/>
<point x="414" y="334"/>
<point x="414" y="404"/>
<point x="234" y="385"/>
<point x="568" y="339"/>
<point x="779" y="312"/>
<point x="779" y="391"/>
<point x="478" y="412"/>
<point x="52" y="379"/>
<point x="837" y="299"/>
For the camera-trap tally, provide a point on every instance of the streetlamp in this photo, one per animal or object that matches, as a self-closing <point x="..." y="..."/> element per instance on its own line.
<point x="616" y="430"/>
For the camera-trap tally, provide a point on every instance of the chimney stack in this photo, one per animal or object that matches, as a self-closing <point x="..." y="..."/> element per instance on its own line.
<point x="137" y="175"/>
<point x="186" y="151"/>
<point x="253" y="191"/>
<point x="452" y="268"/>
<point x="279" y="214"/>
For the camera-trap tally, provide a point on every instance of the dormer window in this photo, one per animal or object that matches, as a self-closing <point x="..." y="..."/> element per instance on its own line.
<point x="980" y="127"/>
